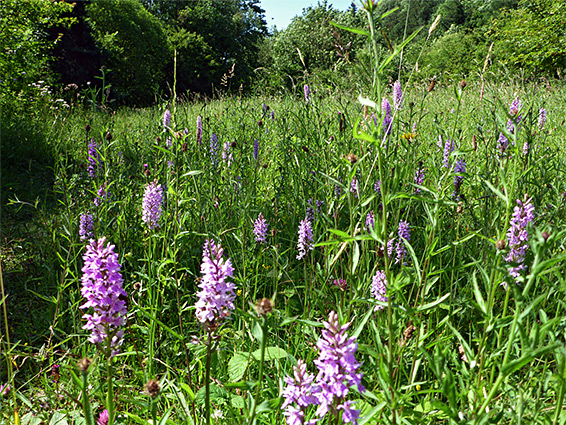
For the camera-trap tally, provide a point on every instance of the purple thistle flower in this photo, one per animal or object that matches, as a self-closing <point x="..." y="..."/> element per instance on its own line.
<point x="459" y="169"/>
<point x="166" y="119"/>
<point x="151" y="206"/>
<point x="526" y="148"/>
<point x="199" y="130"/>
<point x="5" y="389"/>
<point x="419" y="177"/>
<point x="510" y="127"/>
<point x="299" y="390"/>
<point x="227" y="154"/>
<point x="305" y="238"/>
<point x="86" y="226"/>
<point x="377" y="187"/>
<point x="216" y="295"/>
<point x="337" y="374"/>
<point x="256" y="149"/>
<point x="338" y="369"/>
<point x="370" y="221"/>
<point x="379" y="288"/>
<point x="101" y="195"/>
<point x="390" y="247"/>
<point x="404" y="235"/>
<point x="515" y="107"/>
<point x="310" y="211"/>
<point x="103" y="418"/>
<point x="449" y="147"/>
<point x="541" y="118"/>
<point x="386" y="113"/>
<point x="260" y="229"/>
<point x="354" y="185"/>
<point x="338" y="189"/>
<point x="55" y="376"/>
<point x="94" y="161"/>
<point x="103" y="291"/>
<point x="518" y="236"/>
<point x="213" y="149"/>
<point x="307" y="92"/>
<point x="397" y="95"/>
<point x="237" y="184"/>
<point x="373" y="119"/>
<point x="340" y="283"/>
<point x="503" y="143"/>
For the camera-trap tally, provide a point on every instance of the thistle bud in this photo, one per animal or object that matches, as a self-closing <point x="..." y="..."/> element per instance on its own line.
<point x="264" y="307"/>
<point x="84" y="364"/>
<point x="501" y="244"/>
<point x="152" y="388"/>
<point x="431" y="86"/>
<point x="352" y="158"/>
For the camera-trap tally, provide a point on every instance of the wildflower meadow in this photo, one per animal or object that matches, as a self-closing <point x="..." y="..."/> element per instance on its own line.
<point x="393" y="253"/>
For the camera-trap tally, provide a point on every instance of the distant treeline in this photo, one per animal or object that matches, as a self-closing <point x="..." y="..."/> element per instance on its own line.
<point x="151" y="47"/>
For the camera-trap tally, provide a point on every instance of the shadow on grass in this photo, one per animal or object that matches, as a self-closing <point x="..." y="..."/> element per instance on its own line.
<point x="26" y="175"/>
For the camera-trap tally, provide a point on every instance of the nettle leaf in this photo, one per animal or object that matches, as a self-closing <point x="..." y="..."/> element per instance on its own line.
<point x="237" y="366"/>
<point x="217" y="394"/>
<point x="271" y="353"/>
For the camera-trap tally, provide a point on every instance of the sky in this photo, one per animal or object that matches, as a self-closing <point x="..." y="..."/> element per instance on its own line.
<point x="280" y="12"/>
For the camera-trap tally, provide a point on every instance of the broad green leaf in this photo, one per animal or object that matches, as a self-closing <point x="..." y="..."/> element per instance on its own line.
<point x="216" y="393"/>
<point x="271" y="353"/>
<point x="237" y="401"/>
<point x="237" y="366"/>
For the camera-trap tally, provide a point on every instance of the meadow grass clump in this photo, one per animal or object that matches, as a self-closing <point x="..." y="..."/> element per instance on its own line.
<point x="320" y="260"/>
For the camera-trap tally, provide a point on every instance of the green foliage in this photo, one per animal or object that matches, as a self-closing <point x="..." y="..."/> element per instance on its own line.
<point x="312" y="44"/>
<point x="25" y="44"/>
<point x="410" y="15"/>
<point x="454" y="55"/>
<point x="137" y="48"/>
<point x="533" y="36"/>
<point x="216" y="41"/>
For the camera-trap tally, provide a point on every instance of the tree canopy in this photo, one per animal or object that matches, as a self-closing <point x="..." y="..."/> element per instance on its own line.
<point x="225" y="44"/>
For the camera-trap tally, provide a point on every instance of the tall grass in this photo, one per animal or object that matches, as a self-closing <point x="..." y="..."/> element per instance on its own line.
<point x="459" y="340"/>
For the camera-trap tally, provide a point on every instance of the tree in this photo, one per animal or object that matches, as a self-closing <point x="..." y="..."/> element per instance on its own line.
<point x="25" y="43"/>
<point x="215" y="38"/>
<point x="137" y="48"/>
<point x="311" y="43"/>
<point x="534" y="36"/>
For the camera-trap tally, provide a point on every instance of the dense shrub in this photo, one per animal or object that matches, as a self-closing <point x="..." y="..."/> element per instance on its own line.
<point x="136" y="45"/>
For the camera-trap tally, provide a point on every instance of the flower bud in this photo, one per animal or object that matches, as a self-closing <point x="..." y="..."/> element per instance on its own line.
<point x="152" y="388"/>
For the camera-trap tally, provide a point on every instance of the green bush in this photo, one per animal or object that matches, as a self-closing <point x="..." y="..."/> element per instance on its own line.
<point x="533" y="36"/>
<point x="25" y="45"/>
<point x="136" y="45"/>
